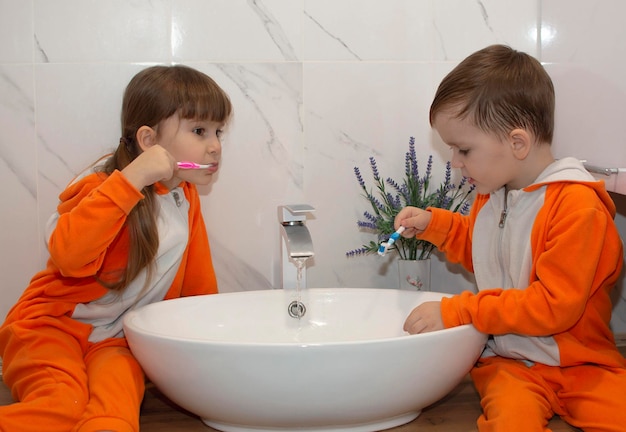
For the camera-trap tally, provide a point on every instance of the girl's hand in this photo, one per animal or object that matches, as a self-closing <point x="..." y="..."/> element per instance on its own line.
<point x="424" y="318"/>
<point x="414" y="219"/>
<point x="152" y="165"/>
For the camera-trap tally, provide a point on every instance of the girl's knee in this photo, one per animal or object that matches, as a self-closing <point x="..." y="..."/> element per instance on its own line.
<point x="66" y="401"/>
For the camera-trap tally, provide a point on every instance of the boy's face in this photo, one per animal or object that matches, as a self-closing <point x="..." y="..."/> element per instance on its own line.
<point x="486" y="159"/>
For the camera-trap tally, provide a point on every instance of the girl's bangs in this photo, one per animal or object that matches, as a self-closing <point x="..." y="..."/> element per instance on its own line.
<point x="205" y="102"/>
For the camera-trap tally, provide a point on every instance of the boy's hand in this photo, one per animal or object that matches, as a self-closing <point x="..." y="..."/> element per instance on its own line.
<point x="414" y="219"/>
<point x="424" y="318"/>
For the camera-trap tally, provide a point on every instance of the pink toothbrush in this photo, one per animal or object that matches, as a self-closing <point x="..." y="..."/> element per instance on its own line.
<point x="192" y="165"/>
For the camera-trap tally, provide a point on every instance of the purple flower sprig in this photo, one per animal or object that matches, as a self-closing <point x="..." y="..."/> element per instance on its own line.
<point x="414" y="190"/>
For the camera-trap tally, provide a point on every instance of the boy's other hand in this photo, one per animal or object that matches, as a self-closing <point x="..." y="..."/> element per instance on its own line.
<point x="424" y="318"/>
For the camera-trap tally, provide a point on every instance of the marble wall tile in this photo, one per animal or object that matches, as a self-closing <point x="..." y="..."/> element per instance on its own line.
<point x="464" y="27"/>
<point x="584" y="51"/>
<point x="16" y="31"/>
<point x="354" y="30"/>
<point x="20" y="238"/>
<point x="413" y="30"/>
<point x="102" y="31"/>
<point x="206" y="30"/>
<point x="589" y="32"/>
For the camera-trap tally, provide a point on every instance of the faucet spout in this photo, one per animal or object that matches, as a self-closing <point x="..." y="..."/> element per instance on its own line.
<point x="297" y="240"/>
<point x="297" y="246"/>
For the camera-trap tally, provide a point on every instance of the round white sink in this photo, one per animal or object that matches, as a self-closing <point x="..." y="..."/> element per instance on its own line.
<point x="242" y="363"/>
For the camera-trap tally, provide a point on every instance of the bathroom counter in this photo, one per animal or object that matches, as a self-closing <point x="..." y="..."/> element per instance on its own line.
<point x="457" y="412"/>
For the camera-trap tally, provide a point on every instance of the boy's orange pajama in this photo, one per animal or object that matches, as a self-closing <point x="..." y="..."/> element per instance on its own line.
<point x="61" y="376"/>
<point x="545" y="260"/>
<point x="520" y="398"/>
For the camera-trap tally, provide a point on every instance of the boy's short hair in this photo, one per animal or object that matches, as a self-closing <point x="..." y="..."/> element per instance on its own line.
<point x="500" y="89"/>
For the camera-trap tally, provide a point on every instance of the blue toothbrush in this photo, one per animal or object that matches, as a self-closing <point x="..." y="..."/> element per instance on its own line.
<point x="384" y="246"/>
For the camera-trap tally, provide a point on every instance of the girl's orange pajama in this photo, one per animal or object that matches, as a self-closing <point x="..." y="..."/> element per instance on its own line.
<point x="61" y="379"/>
<point x="65" y="383"/>
<point x="545" y="259"/>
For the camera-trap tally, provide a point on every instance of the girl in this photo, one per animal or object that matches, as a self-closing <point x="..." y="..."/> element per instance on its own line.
<point x="127" y="233"/>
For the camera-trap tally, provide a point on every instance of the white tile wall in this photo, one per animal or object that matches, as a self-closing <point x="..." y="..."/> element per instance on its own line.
<point x="318" y="86"/>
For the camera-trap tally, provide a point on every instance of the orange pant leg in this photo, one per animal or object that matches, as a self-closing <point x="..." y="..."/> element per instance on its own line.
<point x="116" y="387"/>
<point x="43" y="366"/>
<point x="594" y="397"/>
<point x="513" y="397"/>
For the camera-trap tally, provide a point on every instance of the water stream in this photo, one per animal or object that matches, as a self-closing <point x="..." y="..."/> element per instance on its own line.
<point x="297" y="309"/>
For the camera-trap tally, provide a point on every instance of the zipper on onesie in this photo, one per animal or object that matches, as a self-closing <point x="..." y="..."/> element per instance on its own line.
<point x="504" y="210"/>
<point x="177" y="198"/>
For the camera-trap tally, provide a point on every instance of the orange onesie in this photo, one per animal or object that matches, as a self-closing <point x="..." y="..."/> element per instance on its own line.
<point x="65" y="358"/>
<point x="545" y="259"/>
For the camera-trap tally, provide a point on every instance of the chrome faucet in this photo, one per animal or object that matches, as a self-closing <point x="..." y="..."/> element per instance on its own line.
<point x="297" y="246"/>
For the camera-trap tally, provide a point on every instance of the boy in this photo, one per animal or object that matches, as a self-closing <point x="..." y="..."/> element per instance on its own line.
<point x="541" y="241"/>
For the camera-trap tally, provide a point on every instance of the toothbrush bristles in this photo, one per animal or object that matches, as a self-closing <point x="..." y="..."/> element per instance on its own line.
<point x="384" y="246"/>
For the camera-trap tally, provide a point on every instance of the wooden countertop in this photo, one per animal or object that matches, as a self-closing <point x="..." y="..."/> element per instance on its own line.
<point x="457" y="412"/>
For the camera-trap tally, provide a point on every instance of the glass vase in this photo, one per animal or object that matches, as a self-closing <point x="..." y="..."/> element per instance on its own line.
<point x="414" y="275"/>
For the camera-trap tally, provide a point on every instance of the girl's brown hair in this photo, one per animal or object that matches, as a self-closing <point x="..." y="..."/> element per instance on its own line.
<point x="153" y="95"/>
<point x="499" y="89"/>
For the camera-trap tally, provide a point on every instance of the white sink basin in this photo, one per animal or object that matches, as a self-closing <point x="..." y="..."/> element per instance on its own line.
<point x="241" y="363"/>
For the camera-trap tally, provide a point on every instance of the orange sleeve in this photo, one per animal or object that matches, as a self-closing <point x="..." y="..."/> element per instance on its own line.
<point x="577" y="255"/>
<point x="452" y="233"/>
<point x="91" y="214"/>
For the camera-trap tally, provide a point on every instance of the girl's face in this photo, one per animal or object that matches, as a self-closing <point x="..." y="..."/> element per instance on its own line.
<point x="486" y="159"/>
<point x="191" y="141"/>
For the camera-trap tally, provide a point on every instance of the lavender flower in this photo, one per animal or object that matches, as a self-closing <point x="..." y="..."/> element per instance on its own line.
<point x="413" y="156"/>
<point x="391" y="182"/>
<point x="414" y="191"/>
<point x="429" y="167"/>
<point x="374" y="168"/>
<point x="355" y="252"/>
<point x="359" y="178"/>
<point x="367" y="225"/>
<point x="370" y="216"/>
